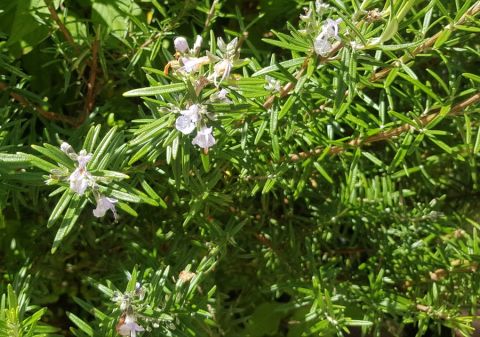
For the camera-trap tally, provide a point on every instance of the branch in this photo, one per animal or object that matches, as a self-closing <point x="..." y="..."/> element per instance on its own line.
<point x="385" y="135"/>
<point x="90" y="100"/>
<point x="285" y="90"/>
<point x="472" y="11"/>
<point x="380" y="73"/>
<point x="60" y="24"/>
<point x="46" y="114"/>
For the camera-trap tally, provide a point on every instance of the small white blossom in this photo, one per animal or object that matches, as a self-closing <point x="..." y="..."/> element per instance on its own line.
<point x="307" y="16"/>
<point x="181" y="44"/>
<point x="225" y="63"/>
<point x="103" y="205"/>
<point x="272" y="84"/>
<point x="197" y="45"/>
<point x="80" y="180"/>
<point x="187" y="122"/>
<point x="83" y="158"/>
<point x="129" y="327"/>
<point x="67" y="148"/>
<point x="193" y="64"/>
<point x="204" y="138"/>
<point x="220" y="96"/>
<point x="223" y="69"/>
<point x="322" y="43"/>
<point x="320" y="6"/>
<point x="331" y="28"/>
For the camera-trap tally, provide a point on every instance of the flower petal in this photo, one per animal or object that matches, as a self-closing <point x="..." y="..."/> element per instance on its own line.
<point x="184" y="124"/>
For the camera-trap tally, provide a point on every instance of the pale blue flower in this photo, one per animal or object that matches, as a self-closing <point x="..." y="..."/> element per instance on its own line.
<point x="204" y="138"/>
<point x="188" y="121"/>
<point x="103" y="205"/>
<point x="129" y="327"/>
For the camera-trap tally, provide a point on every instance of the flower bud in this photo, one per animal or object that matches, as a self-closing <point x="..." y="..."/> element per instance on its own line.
<point x="181" y="44"/>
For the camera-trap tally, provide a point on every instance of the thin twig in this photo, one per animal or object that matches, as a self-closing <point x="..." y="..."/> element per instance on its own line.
<point x="383" y="72"/>
<point x="61" y="26"/>
<point x="150" y="40"/>
<point x="210" y="15"/>
<point x="472" y="11"/>
<point x="385" y="135"/>
<point x="285" y="90"/>
<point x="90" y="99"/>
<point x="429" y="310"/>
<point x="46" y="114"/>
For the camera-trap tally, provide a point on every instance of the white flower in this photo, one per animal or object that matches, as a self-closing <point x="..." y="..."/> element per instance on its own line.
<point x="220" y="96"/>
<point x="204" y="138"/>
<point x="187" y="122"/>
<point x="197" y="45"/>
<point x="129" y="327"/>
<point x="193" y="64"/>
<point x="225" y="63"/>
<point x="272" y="84"/>
<point x="184" y="125"/>
<point x="103" y="205"/>
<point x="223" y="69"/>
<point x="181" y="44"/>
<point x="322" y="44"/>
<point x="80" y="180"/>
<point x="67" y="148"/>
<point x="320" y="6"/>
<point x="83" y="158"/>
<point x="331" y="28"/>
<point x="307" y="16"/>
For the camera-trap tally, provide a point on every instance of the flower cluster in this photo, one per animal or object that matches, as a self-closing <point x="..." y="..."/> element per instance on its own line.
<point x="325" y="33"/>
<point x="329" y="32"/>
<point x="127" y="325"/>
<point x="194" y="118"/>
<point x="81" y="179"/>
<point x="188" y="66"/>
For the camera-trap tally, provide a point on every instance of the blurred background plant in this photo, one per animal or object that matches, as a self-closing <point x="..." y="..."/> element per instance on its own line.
<point x="340" y="197"/>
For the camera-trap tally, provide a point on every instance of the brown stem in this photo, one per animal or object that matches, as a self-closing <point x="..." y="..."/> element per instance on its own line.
<point x="429" y="310"/>
<point x="61" y="26"/>
<point x="285" y="90"/>
<point x="385" y="135"/>
<point x="150" y="40"/>
<point x="475" y="9"/>
<point x="46" y="114"/>
<point x="90" y="100"/>
<point x="287" y="87"/>
<point x="383" y="72"/>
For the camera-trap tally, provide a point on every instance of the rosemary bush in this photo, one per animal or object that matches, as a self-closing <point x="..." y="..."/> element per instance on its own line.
<point x="239" y="168"/>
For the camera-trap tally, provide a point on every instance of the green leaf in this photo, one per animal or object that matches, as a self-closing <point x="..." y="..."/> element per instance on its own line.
<point x="402" y="152"/>
<point x="101" y="150"/>
<point x="62" y="204"/>
<point x="12" y="298"/>
<point x="471" y="76"/>
<point x="156" y="90"/>
<point x="287" y="106"/>
<point x="323" y="172"/>
<point x="71" y="216"/>
<point x="419" y="85"/>
<point x="285" y="64"/>
<point x="82" y="325"/>
<point x="42" y="164"/>
<point x="441" y="144"/>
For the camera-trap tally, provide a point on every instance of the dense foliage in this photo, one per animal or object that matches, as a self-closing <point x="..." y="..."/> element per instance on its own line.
<point x="239" y="168"/>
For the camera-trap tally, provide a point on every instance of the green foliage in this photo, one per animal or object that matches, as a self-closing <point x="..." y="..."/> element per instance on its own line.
<point x="287" y="169"/>
<point x="16" y="319"/>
